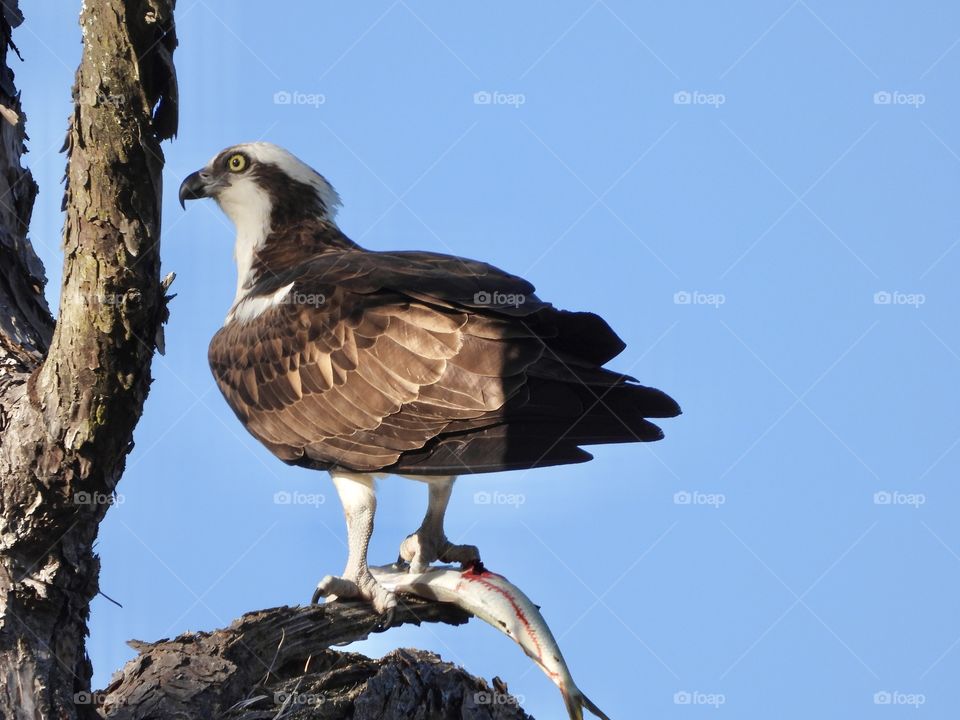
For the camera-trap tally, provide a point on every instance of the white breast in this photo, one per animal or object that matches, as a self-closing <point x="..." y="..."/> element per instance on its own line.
<point x="247" y="308"/>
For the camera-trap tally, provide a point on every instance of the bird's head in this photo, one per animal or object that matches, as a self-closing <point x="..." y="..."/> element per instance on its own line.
<point x="262" y="184"/>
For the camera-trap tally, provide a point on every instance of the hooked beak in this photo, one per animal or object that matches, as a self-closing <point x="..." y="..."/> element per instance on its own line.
<point x="195" y="186"/>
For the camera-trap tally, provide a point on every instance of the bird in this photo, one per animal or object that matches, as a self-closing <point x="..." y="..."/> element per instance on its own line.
<point x="428" y="366"/>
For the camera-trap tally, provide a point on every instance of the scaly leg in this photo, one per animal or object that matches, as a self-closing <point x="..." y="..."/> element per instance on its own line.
<point x="359" y="501"/>
<point x="430" y="543"/>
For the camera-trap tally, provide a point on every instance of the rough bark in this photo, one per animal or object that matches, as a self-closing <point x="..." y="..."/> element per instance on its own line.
<point x="69" y="401"/>
<point x="277" y="664"/>
<point x="25" y="322"/>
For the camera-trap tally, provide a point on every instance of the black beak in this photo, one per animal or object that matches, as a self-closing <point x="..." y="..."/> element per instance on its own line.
<point x="194" y="187"/>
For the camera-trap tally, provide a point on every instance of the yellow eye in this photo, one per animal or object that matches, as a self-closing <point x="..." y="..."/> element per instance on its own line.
<point x="237" y="163"/>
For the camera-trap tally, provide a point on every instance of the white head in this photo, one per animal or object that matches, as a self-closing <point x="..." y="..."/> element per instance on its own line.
<point x="264" y="175"/>
<point x="261" y="187"/>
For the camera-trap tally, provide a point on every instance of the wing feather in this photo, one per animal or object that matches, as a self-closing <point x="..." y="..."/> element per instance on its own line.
<point x="401" y="367"/>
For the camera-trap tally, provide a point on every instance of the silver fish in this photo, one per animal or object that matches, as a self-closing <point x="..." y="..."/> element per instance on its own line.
<point x="500" y="603"/>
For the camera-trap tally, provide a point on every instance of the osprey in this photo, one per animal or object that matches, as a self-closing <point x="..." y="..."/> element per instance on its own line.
<point x="423" y="365"/>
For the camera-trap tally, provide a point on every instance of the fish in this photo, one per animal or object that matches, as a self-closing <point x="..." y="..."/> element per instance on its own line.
<point x="500" y="603"/>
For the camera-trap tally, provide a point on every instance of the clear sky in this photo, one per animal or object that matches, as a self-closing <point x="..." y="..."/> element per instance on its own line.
<point x="760" y="197"/>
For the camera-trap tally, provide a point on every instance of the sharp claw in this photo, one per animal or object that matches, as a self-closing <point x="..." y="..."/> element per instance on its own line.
<point x="363" y="587"/>
<point x="386" y="620"/>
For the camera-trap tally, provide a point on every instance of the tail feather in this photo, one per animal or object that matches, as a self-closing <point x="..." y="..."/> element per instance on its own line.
<point x="552" y="382"/>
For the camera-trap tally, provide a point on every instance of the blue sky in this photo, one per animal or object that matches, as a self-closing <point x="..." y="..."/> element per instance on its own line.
<point x="761" y="197"/>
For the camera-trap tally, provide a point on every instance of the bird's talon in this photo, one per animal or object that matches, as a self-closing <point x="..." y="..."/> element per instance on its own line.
<point x="386" y="620"/>
<point x="463" y="554"/>
<point x="422" y="548"/>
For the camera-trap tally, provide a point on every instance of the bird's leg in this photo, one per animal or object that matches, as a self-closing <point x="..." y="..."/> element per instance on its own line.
<point x="430" y="543"/>
<point x="359" y="501"/>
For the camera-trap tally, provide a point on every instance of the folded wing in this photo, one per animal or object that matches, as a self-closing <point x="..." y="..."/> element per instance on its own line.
<point x="428" y="364"/>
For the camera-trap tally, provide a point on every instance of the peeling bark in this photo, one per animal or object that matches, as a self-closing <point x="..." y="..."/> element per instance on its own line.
<point x="25" y="321"/>
<point x="69" y="400"/>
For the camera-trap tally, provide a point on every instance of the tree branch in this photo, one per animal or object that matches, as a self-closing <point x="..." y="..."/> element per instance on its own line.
<point x="277" y="663"/>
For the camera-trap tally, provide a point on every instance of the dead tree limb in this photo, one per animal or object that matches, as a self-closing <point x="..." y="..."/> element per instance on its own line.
<point x="277" y="663"/>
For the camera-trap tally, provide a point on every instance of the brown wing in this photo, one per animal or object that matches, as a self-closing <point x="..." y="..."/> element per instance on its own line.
<point x="396" y="362"/>
<point x="358" y="380"/>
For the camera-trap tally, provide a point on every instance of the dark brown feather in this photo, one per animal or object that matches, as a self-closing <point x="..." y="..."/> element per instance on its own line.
<point x="408" y="364"/>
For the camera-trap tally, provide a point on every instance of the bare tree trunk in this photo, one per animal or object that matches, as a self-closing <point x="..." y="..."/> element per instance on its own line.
<point x="69" y="402"/>
<point x="71" y="393"/>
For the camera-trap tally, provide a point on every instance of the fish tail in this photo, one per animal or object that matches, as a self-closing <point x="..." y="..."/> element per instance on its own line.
<point x="574" y="706"/>
<point x="576" y="701"/>
<point x="588" y="704"/>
